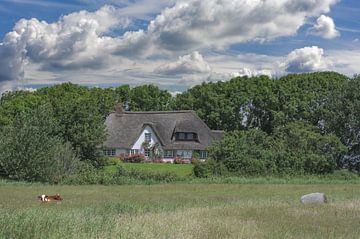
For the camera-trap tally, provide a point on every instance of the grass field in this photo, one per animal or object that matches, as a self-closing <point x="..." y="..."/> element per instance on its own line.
<point x="182" y="170"/>
<point x="179" y="211"/>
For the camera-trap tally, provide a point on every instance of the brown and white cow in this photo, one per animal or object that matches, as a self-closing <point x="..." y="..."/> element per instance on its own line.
<point x="46" y="198"/>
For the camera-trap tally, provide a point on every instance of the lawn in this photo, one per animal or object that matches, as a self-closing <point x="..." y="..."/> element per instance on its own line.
<point x="179" y="211"/>
<point x="182" y="170"/>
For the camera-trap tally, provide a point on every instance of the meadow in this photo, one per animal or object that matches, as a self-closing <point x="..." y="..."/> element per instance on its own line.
<point x="179" y="211"/>
<point x="181" y="170"/>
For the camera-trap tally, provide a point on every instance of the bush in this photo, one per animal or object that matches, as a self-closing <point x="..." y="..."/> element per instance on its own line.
<point x="31" y="151"/>
<point x="344" y="174"/>
<point x="105" y="161"/>
<point x="137" y="158"/>
<point x="245" y="152"/>
<point x="209" y="168"/>
<point x="180" y="160"/>
<point x="294" y="149"/>
<point x="146" y="175"/>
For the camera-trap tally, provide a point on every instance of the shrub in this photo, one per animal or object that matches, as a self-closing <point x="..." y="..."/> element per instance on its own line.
<point x="31" y="151"/>
<point x="244" y="152"/>
<point x="110" y="161"/>
<point x="136" y="158"/>
<point x="296" y="148"/>
<point x="146" y="175"/>
<point x="209" y="168"/>
<point x="178" y="160"/>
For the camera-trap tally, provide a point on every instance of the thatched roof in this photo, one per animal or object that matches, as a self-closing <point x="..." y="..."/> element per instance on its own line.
<point x="124" y="128"/>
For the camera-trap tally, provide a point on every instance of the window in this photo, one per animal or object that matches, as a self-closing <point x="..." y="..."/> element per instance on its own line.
<point x="186" y="136"/>
<point x="147" y="152"/>
<point x="133" y="151"/>
<point x="186" y="154"/>
<point x="169" y="154"/>
<point x="190" y="136"/>
<point x="181" y="136"/>
<point x="109" y="152"/>
<point x="147" y="137"/>
<point x="203" y="154"/>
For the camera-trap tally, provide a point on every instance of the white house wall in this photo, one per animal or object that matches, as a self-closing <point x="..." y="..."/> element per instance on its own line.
<point x="141" y="139"/>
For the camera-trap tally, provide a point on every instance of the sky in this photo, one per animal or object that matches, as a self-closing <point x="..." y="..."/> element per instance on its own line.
<point x="174" y="44"/>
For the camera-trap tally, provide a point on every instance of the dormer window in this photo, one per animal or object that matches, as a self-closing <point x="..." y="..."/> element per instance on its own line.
<point x="186" y="136"/>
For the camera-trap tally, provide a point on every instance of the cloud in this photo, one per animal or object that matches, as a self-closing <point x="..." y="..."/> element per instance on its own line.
<point x="188" y="64"/>
<point x="345" y="61"/>
<point x="324" y="27"/>
<point x="88" y="41"/>
<point x="76" y="41"/>
<point x="307" y="59"/>
<point x="194" y="24"/>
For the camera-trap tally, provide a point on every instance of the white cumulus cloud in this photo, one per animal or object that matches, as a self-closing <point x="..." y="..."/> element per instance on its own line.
<point x="188" y="64"/>
<point x="193" y="24"/>
<point x="307" y="59"/>
<point x="324" y="27"/>
<point x="86" y="40"/>
<point x="76" y="41"/>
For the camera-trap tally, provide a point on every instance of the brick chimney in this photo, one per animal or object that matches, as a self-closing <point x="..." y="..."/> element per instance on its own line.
<point x="119" y="109"/>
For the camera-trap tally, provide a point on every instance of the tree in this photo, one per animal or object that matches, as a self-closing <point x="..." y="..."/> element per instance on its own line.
<point x="303" y="97"/>
<point x="302" y="148"/>
<point x="31" y="150"/>
<point x="342" y="117"/>
<point x="241" y="103"/>
<point x="13" y="103"/>
<point x="80" y="118"/>
<point x="149" y="98"/>
<point x="245" y="152"/>
<point x="296" y="148"/>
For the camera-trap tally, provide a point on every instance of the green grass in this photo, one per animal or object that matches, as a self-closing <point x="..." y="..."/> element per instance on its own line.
<point x="179" y="211"/>
<point x="181" y="170"/>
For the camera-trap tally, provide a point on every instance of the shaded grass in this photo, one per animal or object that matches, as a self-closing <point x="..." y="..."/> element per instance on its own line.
<point x="181" y="170"/>
<point x="179" y="211"/>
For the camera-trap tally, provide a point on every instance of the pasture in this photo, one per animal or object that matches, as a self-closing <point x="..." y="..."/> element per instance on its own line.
<point x="179" y="211"/>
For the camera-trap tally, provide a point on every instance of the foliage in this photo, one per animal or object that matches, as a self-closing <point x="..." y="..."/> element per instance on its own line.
<point x="149" y="98"/>
<point x="135" y="158"/>
<point x="80" y="120"/>
<point x="241" y="103"/>
<point x="147" y="175"/>
<point x="342" y="118"/>
<point x="182" y="170"/>
<point x="297" y="148"/>
<point x="301" y="148"/>
<point x="31" y="150"/>
<point x="245" y="152"/>
<point x="304" y="97"/>
<point x="286" y="125"/>
<point x="180" y="160"/>
<point x="208" y="169"/>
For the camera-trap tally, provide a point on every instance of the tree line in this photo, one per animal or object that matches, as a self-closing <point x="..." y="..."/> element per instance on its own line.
<point x="300" y="123"/>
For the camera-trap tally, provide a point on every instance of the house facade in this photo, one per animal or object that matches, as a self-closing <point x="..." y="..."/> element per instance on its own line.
<point x="163" y="135"/>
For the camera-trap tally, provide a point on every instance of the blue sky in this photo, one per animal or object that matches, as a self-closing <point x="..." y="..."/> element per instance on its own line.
<point x="174" y="44"/>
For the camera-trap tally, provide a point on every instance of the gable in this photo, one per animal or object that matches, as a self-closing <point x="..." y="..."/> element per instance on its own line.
<point x="141" y="139"/>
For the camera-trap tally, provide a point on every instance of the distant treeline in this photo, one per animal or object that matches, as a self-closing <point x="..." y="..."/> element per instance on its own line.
<point x="271" y="123"/>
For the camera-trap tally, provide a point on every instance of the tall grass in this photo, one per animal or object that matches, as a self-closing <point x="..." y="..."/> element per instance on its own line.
<point x="181" y="170"/>
<point x="179" y="211"/>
